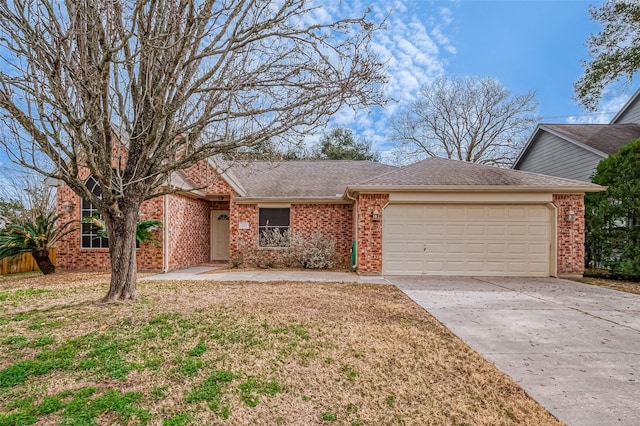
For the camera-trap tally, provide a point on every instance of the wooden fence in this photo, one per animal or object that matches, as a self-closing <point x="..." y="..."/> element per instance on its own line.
<point x="22" y="263"/>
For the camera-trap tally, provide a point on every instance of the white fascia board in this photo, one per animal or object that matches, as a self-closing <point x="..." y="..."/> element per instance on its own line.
<point x="291" y="200"/>
<point x="479" y="188"/>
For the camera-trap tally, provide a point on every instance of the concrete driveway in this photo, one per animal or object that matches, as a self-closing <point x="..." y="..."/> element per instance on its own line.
<point x="574" y="348"/>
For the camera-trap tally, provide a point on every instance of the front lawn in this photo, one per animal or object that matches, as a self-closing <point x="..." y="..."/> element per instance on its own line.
<point x="239" y="353"/>
<point x="620" y="285"/>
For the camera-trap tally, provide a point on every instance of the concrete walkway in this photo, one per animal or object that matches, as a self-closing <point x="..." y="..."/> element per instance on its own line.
<point x="574" y="348"/>
<point x="265" y="275"/>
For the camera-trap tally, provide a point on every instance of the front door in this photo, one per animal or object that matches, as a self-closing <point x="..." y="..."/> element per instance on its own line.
<point x="220" y="235"/>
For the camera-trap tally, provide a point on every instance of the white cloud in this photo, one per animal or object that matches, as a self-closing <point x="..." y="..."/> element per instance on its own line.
<point x="414" y="47"/>
<point x="607" y="110"/>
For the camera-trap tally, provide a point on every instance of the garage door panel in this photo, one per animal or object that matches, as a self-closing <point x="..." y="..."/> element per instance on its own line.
<point x="456" y="248"/>
<point x="517" y="248"/>
<point x="466" y="239"/>
<point x="475" y="230"/>
<point x="497" y="230"/>
<point x="495" y="212"/>
<point x="496" y="249"/>
<point x="413" y="228"/>
<point x="413" y="248"/>
<point x="538" y="230"/>
<point x="538" y="249"/>
<point x="454" y="229"/>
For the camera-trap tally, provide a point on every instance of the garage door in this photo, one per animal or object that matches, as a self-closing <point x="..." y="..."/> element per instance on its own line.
<point x="482" y="240"/>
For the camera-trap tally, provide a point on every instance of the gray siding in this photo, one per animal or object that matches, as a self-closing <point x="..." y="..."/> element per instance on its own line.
<point x="631" y="115"/>
<point x="551" y="155"/>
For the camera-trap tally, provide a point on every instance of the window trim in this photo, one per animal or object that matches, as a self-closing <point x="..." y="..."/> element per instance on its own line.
<point x="86" y="206"/>
<point x="281" y="228"/>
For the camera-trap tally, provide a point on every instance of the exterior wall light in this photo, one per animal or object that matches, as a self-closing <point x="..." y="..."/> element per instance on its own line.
<point x="67" y="206"/>
<point x="570" y="216"/>
<point x="376" y="215"/>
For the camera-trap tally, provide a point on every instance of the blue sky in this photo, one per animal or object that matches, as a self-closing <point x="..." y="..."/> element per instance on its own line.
<point x="528" y="45"/>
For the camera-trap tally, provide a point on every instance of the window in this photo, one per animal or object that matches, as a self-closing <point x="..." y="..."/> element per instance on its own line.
<point x="273" y="227"/>
<point x="89" y="234"/>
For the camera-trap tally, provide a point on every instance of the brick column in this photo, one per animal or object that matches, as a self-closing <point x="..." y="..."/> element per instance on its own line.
<point x="369" y="259"/>
<point x="570" y="234"/>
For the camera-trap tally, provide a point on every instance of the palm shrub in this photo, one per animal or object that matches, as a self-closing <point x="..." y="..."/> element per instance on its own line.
<point x="144" y="229"/>
<point x="36" y="239"/>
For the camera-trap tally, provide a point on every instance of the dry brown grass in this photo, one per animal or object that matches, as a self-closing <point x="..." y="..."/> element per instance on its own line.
<point x="362" y="354"/>
<point x="626" y="286"/>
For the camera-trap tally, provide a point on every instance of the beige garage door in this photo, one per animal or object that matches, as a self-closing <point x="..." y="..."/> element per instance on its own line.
<point x="482" y="240"/>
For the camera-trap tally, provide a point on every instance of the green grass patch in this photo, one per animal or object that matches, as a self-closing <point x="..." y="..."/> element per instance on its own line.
<point x="21" y="294"/>
<point x="15" y="342"/>
<point x="159" y="392"/>
<point x="198" y="349"/>
<point x="81" y="407"/>
<point x="349" y="373"/>
<point x="180" y="419"/>
<point x="189" y="366"/>
<point x="211" y="391"/>
<point x="56" y="359"/>
<point x="251" y="388"/>
<point x="42" y="341"/>
<point x="329" y="416"/>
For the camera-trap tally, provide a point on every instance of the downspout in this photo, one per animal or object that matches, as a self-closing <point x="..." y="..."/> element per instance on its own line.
<point x="165" y="245"/>
<point x="354" y="246"/>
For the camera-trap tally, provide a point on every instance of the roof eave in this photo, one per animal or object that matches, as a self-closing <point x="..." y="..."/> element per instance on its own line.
<point x="478" y="188"/>
<point x="526" y="147"/>
<point x="622" y="110"/>
<point x="575" y="142"/>
<point x="292" y="200"/>
<point x="228" y="177"/>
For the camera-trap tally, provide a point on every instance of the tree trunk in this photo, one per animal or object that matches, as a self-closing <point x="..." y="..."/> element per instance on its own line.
<point x="44" y="263"/>
<point x="122" y="250"/>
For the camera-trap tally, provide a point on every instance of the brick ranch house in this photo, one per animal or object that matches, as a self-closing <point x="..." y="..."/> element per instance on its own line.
<point x="437" y="217"/>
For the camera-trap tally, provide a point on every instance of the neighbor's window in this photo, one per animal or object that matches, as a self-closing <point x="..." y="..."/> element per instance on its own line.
<point x="89" y="235"/>
<point x="273" y="227"/>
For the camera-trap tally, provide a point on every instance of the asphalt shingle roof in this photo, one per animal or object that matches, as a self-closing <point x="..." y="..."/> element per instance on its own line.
<point x="303" y="179"/>
<point x="444" y="172"/>
<point x="606" y="138"/>
<point x="329" y="179"/>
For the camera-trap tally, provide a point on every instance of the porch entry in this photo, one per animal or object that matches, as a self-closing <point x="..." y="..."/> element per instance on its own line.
<point x="220" y="235"/>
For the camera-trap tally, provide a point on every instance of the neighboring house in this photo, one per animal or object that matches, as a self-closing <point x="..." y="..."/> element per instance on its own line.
<point x="435" y="217"/>
<point x="573" y="151"/>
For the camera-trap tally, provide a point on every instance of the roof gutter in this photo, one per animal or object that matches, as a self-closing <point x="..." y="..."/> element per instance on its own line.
<point x="478" y="188"/>
<point x="294" y="200"/>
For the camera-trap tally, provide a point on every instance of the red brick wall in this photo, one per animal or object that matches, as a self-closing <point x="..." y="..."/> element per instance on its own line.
<point x="369" y="260"/>
<point x="202" y="174"/>
<point x="332" y="219"/>
<point x="241" y="239"/>
<point x="189" y="231"/>
<point x="570" y="234"/>
<point x="71" y="256"/>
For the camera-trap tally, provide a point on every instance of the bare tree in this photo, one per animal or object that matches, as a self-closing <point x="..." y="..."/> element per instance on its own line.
<point x="24" y="197"/>
<point x="470" y="119"/>
<point x="177" y="81"/>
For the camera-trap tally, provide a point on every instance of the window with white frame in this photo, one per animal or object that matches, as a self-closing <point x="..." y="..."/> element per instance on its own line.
<point x="89" y="235"/>
<point x="273" y="227"/>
